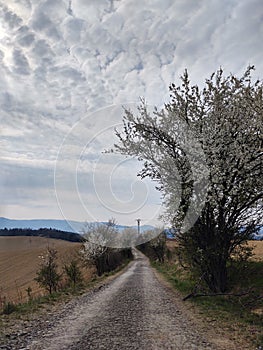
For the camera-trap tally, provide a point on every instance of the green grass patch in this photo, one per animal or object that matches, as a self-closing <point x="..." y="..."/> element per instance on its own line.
<point x="243" y="311"/>
<point x="175" y="276"/>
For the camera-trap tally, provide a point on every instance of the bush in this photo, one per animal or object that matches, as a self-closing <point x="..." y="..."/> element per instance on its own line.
<point x="100" y="254"/>
<point x="156" y="248"/>
<point x="73" y="273"/>
<point x="107" y="260"/>
<point x="9" y="307"/>
<point x="47" y="276"/>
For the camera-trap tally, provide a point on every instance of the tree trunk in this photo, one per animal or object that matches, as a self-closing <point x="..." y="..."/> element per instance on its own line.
<point x="216" y="277"/>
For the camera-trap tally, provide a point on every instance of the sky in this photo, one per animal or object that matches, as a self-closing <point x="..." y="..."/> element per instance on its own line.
<point x="68" y="68"/>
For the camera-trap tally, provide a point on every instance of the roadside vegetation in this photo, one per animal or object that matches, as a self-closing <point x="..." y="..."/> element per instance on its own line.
<point x="72" y="274"/>
<point x="100" y="249"/>
<point x="203" y="149"/>
<point x="239" y="310"/>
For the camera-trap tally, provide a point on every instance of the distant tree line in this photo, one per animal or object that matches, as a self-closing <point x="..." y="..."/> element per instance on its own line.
<point x="42" y="232"/>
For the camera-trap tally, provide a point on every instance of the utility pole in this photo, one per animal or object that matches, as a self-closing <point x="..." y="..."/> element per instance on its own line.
<point x="69" y="10"/>
<point x="138" y="222"/>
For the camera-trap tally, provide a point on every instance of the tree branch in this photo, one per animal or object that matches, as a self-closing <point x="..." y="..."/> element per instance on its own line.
<point x="196" y="295"/>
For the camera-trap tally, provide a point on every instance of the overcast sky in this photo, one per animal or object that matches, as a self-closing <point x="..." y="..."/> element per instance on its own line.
<point x="66" y="69"/>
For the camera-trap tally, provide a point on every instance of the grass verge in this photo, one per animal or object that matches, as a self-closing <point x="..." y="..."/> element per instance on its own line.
<point x="34" y="308"/>
<point x="242" y="314"/>
<point x="34" y="304"/>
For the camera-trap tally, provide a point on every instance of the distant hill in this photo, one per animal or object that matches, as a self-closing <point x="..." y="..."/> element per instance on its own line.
<point x="71" y="226"/>
<point x="61" y="225"/>
<point x="36" y="224"/>
<point x="42" y="232"/>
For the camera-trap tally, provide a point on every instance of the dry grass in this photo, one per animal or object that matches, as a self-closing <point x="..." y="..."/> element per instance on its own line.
<point x="19" y="261"/>
<point x="171" y="244"/>
<point x="257" y="248"/>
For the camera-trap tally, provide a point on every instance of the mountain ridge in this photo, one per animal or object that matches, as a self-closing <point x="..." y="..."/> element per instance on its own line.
<point x="62" y="225"/>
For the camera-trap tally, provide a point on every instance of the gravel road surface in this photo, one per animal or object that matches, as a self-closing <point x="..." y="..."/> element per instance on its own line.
<point x="133" y="311"/>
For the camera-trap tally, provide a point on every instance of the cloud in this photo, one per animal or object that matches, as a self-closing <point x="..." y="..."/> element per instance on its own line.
<point x="61" y="61"/>
<point x="21" y="65"/>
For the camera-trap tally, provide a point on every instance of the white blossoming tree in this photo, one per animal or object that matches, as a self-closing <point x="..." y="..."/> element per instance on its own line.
<point x="204" y="149"/>
<point x="95" y="248"/>
<point x="101" y="247"/>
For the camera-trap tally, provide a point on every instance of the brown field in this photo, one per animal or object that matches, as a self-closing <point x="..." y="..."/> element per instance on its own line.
<point x="19" y="261"/>
<point x="257" y="248"/>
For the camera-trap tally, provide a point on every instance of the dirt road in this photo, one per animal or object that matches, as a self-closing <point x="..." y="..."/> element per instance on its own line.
<point x="133" y="311"/>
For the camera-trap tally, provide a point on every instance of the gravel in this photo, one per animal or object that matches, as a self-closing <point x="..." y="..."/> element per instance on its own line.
<point x="132" y="311"/>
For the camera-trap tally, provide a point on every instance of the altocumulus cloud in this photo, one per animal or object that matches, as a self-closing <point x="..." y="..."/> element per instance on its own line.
<point x="60" y="61"/>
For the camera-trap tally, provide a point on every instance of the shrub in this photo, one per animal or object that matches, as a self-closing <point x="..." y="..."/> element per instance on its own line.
<point x="9" y="307"/>
<point x="73" y="273"/>
<point x="48" y="276"/>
